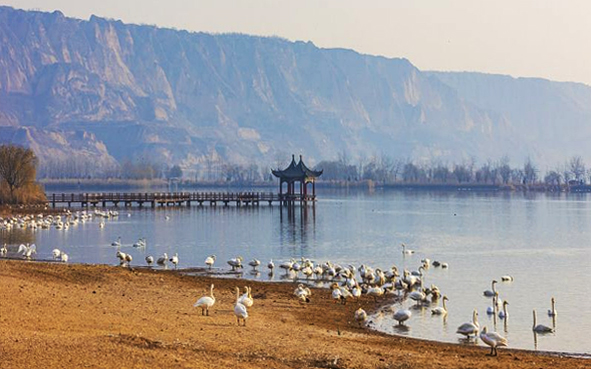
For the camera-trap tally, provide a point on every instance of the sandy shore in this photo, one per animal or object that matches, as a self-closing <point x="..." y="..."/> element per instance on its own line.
<point x="56" y="315"/>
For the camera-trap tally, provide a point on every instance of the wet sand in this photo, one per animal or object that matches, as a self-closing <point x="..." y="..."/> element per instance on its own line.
<point x="75" y="316"/>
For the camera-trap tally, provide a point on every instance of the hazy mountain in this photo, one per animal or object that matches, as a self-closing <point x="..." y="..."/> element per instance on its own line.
<point x="127" y="91"/>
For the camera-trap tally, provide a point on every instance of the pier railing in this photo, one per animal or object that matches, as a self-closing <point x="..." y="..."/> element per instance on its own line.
<point x="174" y="198"/>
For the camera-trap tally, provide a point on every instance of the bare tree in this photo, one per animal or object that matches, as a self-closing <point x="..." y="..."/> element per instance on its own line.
<point x="17" y="167"/>
<point x="530" y="172"/>
<point x="577" y="168"/>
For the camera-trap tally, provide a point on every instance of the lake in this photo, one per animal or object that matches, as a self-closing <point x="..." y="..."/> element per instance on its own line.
<point x="542" y="240"/>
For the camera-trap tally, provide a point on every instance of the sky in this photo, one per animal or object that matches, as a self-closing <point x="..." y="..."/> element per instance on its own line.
<point x="522" y="38"/>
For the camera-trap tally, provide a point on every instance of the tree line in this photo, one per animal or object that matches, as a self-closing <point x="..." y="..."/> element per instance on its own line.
<point x="385" y="170"/>
<point x="381" y="169"/>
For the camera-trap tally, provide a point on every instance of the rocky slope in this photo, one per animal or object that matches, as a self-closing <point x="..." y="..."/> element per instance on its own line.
<point x="126" y="91"/>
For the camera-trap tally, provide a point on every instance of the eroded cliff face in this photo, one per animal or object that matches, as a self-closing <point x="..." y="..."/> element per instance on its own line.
<point x="180" y="97"/>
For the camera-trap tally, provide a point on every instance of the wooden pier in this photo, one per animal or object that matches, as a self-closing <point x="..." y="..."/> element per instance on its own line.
<point x="177" y="199"/>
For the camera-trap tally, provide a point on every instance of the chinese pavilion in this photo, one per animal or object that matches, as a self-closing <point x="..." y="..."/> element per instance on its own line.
<point x="297" y="173"/>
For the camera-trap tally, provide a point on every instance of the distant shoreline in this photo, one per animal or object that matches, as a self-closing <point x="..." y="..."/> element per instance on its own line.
<point x="97" y="185"/>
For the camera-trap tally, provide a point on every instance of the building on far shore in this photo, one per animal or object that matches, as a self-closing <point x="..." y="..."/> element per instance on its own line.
<point x="301" y="174"/>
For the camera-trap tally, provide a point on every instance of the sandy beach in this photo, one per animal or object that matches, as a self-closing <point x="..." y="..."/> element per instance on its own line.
<point x="73" y="316"/>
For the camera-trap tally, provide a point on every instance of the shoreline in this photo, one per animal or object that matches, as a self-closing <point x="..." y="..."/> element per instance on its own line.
<point x="142" y="317"/>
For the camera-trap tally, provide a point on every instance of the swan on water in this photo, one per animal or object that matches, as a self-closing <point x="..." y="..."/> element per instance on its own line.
<point x="360" y="316"/>
<point x="417" y="296"/>
<point x="440" y="310"/>
<point x="117" y="243"/>
<point x="56" y="254"/>
<point x="3" y="250"/>
<point x="489" y="293"/>
<point x="540" y="328"/>
<point x="492" y="339"/>
<point x="235" y="263"/>
<point x="206" y="302"/>
<point x="140" y="243"/>
<point x="254" y="263"/>
<point x="162" y="259"/>
<point x="271" y="265"/>
<point x="175" y="259"/>
<point x="402" y="315"/>
<point x="27" y="250"/>
<point x="64" y="257"/>
<point x="239" y="309"/>
<point x="553" y="312"/>
<point x="504" y="313"/>
<point x="149" y="260"/>
<point x="472" y="328"/>
<point x="210" y="260"/>
<point x="406" y="251"/>
<point x="507" y="278"/>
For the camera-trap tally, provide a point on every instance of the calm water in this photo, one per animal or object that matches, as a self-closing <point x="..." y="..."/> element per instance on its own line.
<point x="543" y="241"/>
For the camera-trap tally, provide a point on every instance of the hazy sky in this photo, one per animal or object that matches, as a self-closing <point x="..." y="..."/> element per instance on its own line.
<point x="541" y="38"/>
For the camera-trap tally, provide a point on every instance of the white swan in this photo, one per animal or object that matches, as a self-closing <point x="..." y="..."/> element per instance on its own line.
<point x="246" y="298"/>
<point x="254" y="263"/>
<point x="140" y="243"/>
<point x="162" y="259"/>
<point x="540" y="328"/>
<point x="417" y="296"/>
<point x="239" y="309"/>
<point x="440" y="310"/>
<point x="56" y="254"/>
<point x="375" y="292"/>
<point x="337" y="294"/>
<point x="27" y="250"/>
<point x="504" y="313"/>
<point x="360" y="316"/>
<point x="402" y="315"/>
<point x="303" y="293"/>
<point x="287" y="266"/>
<point x="492" y="339"/>
<point x="117" y="243"/>
<point x="149" y="260"/>
<point x="271" y="265"/>
<point x="3" y="250"/>
<point x="175" y="259"/>
<point x="553" y="311"/>
<point x="64" y="257"/>
<point x="210" y="260"/>
<point x="206" y="302"/>
<point x="121" y="256"/>
<point x="489" y="293"/>
<point x="406" y="251"/>
<point x="468" y="329"/>
<point x="235" y="263"/>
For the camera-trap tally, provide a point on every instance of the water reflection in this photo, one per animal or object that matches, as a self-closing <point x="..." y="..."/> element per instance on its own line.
<point x="296" y="223"/>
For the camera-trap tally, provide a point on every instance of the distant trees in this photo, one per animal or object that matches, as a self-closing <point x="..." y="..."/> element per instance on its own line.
<point x="577" y="168"/>
<point x="18" y="167"/>
<point x="175" y="172"/>
<point x="378" y="168"/>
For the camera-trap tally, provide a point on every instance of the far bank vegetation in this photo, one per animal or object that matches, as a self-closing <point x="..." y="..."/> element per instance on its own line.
<point x="380" y="170"/>
<point x="18" y="169"/>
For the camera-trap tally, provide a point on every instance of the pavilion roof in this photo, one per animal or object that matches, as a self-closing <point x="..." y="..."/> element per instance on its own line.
<point x="296" y="171"/>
